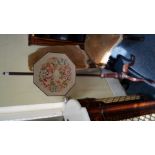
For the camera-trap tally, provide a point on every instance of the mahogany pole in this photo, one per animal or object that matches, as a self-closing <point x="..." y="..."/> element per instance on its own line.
<point x="117" y="111"/>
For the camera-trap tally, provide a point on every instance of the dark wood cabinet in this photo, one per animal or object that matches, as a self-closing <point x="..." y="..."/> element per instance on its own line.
<point x="53" y="40"/>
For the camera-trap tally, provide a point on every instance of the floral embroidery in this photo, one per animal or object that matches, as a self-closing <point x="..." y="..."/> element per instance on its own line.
<point x="55" y="74"/>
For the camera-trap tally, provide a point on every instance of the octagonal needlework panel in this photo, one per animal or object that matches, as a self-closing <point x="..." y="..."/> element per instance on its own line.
<point x="54" y="74"/>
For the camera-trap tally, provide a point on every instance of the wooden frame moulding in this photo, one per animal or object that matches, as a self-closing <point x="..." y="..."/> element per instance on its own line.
<point x="33" y="40"/>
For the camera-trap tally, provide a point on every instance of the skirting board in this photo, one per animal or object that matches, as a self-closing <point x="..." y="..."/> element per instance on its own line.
<point x="31" y="112"/>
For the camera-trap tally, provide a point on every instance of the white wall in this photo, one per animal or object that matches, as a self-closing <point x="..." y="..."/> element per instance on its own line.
<point x="16" y="90"/>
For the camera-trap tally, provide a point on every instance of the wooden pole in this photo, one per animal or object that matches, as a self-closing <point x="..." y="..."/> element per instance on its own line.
<point x="99" y="110"/>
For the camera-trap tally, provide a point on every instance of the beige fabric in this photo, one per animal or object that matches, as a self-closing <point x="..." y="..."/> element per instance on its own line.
<point x="97" y="46"/>
<point x="75" y="54"/>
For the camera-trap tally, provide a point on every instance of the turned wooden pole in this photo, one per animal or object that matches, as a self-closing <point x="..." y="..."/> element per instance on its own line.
<point x="117" y="111"/>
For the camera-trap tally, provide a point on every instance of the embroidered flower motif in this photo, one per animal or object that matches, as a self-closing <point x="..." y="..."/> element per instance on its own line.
<point x="55" y="74"/>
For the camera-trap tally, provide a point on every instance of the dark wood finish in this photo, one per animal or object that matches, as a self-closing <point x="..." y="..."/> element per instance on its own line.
<point x="99" y="110"/>
<point x="31" y="73"/>
<point x="21" y="73"/>
<point x="33" y="40"/>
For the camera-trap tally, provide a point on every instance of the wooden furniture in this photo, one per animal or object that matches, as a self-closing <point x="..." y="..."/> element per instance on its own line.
<point x="118" y="108"/>
<point x="35" y="40"/>
<point x="97" y="47"/>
